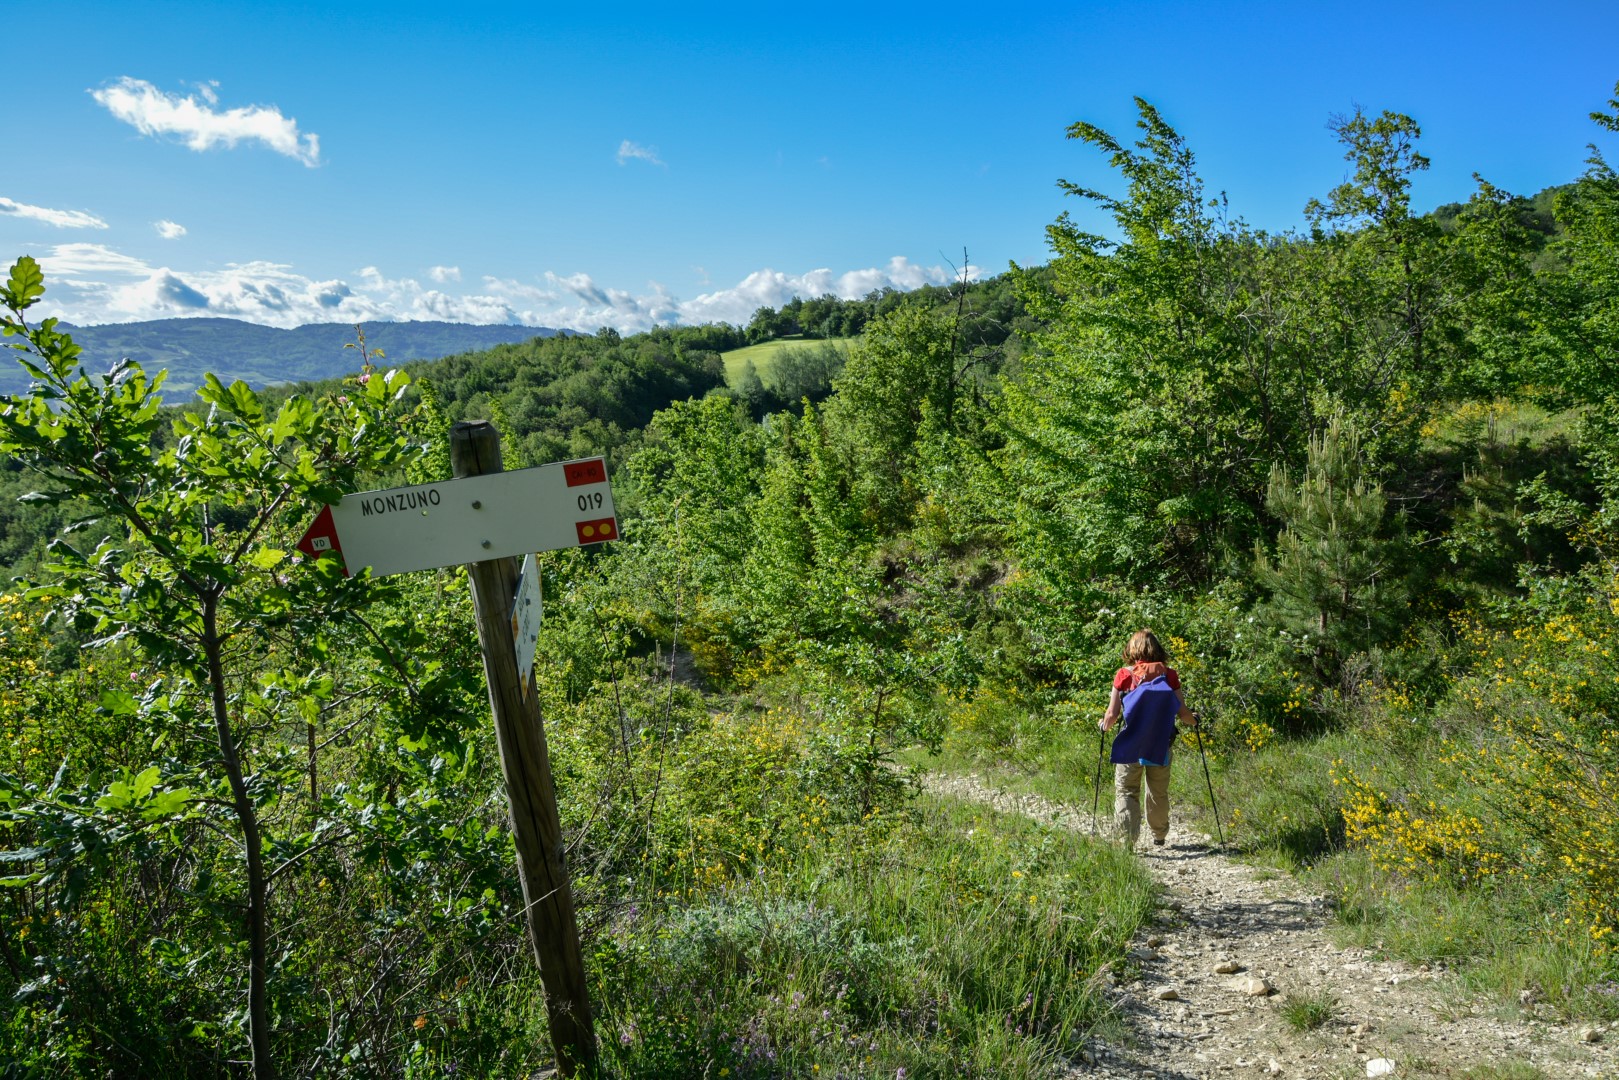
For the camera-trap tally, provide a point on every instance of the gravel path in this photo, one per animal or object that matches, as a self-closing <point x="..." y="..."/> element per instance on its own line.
<point x="1202" y="991"/>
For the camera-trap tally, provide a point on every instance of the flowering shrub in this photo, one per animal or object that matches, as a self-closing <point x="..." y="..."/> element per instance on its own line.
<point x="1528" y="788"/>
<point x="1411" y="836"/>
<point x="1550" y="770"/>
<point x="48" y="716"/>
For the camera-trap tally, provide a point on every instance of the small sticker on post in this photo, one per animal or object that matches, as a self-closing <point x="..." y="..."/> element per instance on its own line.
<point x="593" y="471"/>
<point x="594" y="532"/>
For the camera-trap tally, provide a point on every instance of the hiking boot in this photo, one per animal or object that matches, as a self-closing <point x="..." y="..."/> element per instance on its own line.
<point x="1158" y="841"/>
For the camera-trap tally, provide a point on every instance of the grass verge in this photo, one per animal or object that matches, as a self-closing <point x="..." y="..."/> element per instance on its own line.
<point x="959" y="942"/>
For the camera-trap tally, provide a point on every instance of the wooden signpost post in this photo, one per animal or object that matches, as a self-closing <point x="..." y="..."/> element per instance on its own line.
<point x="483" y="518"/>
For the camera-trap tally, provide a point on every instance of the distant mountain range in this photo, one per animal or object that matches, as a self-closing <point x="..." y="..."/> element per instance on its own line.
<point x="265" y="355"/>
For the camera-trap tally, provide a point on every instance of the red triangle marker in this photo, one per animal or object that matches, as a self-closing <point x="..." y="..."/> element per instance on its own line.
<point x="321" y="538"/>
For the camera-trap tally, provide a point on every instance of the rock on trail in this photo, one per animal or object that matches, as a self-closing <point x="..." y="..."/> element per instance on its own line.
<point x="1201" y="993"/>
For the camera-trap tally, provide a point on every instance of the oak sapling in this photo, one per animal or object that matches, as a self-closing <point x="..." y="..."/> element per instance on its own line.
<point x="195" y="575"/>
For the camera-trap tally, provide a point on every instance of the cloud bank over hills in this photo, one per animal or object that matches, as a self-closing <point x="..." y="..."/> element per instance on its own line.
<point x="94" y="283"/>
<point x="123" y="276"/>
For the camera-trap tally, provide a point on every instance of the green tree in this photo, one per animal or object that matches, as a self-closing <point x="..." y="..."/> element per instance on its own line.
<point x="1137" y="418"/>
<point x="1391" y="279"/>
<point x="1335" y="576"/>
<point x="693" y="485"/>
<point x="1584" y="327"/>
<point x="1186" y="358"/>
<point x="1501" y="301"/>
<point x="797" y="374"/>
<point x="901" y="377"/>
<point x="195" y="577"/>
<point x="748" y="388"/>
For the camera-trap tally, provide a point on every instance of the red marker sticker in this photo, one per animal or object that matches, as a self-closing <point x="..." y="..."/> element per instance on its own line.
<point x="586" y="472"/>
<point x="321" y="537"/>
<point x="594" y="532"/>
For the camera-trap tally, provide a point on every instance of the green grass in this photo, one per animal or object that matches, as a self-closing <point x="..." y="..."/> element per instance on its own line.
<point x="957" y="942"/>
<point x="1279" y="806"/>
<point x="765" y="354"/>
<point x="1279" y="809"/>
<point x="1306" y="1012"/>
<point x="1506" y="1070"/>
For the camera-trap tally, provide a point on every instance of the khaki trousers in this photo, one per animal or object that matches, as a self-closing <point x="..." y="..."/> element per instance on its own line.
<point x="1127" y="801"/>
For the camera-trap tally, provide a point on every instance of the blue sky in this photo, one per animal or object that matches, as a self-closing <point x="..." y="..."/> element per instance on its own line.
<point x="588" y="165"/>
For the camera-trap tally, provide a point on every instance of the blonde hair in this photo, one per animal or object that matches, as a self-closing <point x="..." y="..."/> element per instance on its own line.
<point x="1144" y="647"/>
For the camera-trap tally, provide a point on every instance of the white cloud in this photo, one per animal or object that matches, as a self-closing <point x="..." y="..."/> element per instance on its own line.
<point x="628" y="151"/>
<point x="76" y="260"/>
<point x="93" y="283"/>
<point x="771" y="288"/>
<point x="62" y="219"/>
<point x="577" y="302"/>
<point x="169" y="230"/>
<point x="195" y="120"/>
<point x="444" y="273"/>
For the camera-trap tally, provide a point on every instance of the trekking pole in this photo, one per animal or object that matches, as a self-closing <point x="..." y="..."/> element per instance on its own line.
<point x="1096" y="799"/>
<point x="1198" y="731"/>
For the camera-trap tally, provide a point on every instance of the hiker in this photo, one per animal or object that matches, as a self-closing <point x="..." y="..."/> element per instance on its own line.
<point x="1146" y="693"/>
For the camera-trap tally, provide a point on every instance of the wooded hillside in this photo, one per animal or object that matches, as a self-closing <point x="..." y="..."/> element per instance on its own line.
<point x="1359" y="477"/>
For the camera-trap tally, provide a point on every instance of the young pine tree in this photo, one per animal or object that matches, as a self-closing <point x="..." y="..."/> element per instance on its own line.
<point x="1336" y="575"/>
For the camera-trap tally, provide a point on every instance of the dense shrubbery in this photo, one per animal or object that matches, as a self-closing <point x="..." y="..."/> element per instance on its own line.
<point x="1514" y="773"/>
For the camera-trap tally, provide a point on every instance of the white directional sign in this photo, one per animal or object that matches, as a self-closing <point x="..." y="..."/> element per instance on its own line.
<point x="526" y="619"/>
<point x="467" y="520"/>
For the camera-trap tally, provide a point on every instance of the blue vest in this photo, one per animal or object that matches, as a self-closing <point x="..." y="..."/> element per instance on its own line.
<point x="1149" y="724"/>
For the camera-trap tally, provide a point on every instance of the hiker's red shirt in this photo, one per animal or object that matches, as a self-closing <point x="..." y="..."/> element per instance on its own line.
<point x="1127" y="679"/>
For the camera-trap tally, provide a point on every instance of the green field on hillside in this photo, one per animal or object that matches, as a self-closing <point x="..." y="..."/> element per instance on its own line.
<point x="765" y="354"/>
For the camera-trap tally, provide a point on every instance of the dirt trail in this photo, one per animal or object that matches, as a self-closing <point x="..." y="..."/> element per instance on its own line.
<point x="1201" y="994"/>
